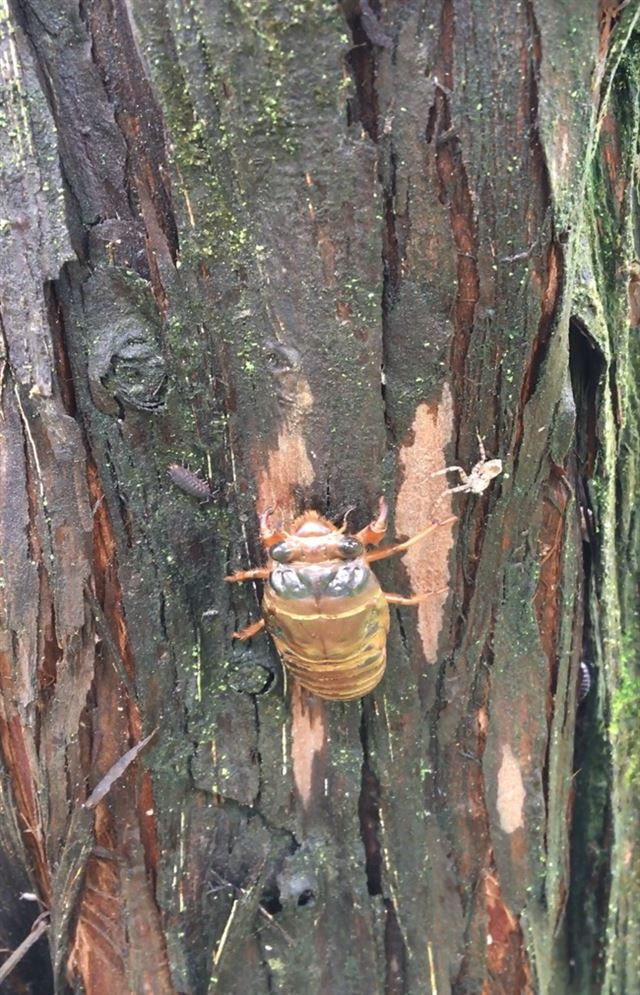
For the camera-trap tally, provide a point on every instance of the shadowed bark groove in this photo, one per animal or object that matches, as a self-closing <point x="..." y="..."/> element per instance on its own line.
<point x="454" y="191"/>
<point x="309" y="253"/>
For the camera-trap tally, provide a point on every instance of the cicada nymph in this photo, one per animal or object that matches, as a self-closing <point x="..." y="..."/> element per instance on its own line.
<point x="323" y="605"/>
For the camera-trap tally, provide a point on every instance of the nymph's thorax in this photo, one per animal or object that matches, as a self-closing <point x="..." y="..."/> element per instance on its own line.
<point x="323" y="582"/>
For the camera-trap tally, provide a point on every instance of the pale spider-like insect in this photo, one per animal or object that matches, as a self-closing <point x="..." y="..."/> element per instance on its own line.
<point x="480" y="476"/>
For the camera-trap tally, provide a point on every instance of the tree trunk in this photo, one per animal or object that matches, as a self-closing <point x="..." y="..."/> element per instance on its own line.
<point x="312" y="251"/>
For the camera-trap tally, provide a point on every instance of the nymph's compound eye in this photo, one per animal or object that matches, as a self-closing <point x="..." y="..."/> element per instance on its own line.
<point x="288" y="582"/>
<point x="283" y="552"/>
<point x="349" y="548"/>
<point x="348" y="580"/>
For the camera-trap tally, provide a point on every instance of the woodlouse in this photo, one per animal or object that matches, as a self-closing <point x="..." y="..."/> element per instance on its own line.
<point x="189" y="482"/>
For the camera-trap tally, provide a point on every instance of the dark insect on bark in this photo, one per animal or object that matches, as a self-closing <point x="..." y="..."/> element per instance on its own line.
<point x="323" y="605"/>
<point x="584" y="681"/>
<point x="190" y="482"/>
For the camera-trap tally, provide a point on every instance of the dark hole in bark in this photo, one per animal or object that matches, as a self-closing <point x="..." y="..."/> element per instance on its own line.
<point x="271" y="900"/>
<point x="587" y="365"/>
<point x="361" y="61"/>
<point x="307" y="897"/>
<point x="369" y="814"/>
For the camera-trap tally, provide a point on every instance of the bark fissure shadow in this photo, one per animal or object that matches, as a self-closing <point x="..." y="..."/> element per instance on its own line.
<point x="591" y="831"/>
<point x="370" y="831"/>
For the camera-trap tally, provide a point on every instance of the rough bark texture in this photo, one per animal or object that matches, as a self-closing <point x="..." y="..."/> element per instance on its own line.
<point x="222" y="221"/>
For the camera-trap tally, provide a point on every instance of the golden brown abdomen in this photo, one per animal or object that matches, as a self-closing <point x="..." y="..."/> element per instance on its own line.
<point x="334" y="646"/>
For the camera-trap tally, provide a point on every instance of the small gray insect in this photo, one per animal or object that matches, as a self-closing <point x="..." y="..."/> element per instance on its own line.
<point x="584" y="681"/>
<point x="190" y="482"/>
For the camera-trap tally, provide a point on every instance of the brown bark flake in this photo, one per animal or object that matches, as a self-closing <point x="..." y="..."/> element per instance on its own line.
<point x="507" y="962"/>
<point x="550" y="282"/>
<point x="15" y="756"/>
<point x="456" y="193"/>
<point x="547" y="600"/>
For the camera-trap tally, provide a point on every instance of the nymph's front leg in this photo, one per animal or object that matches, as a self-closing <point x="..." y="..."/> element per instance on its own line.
<point x="381" y="554"/>
<point x="416" y="599"/>
<point x="258" y="573"/>
<point x="373" y="533"/>
<point x="249" y="630"/>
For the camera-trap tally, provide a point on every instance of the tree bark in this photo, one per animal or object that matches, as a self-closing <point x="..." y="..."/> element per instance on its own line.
<point x="312" y="251"/>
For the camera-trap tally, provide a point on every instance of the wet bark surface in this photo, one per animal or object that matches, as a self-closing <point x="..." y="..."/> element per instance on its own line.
<point x="311" y="252"/>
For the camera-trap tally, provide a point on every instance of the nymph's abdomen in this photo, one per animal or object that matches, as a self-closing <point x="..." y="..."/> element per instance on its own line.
<point x="330" y="627"/>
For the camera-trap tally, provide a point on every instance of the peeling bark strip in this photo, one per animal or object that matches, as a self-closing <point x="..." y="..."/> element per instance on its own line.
<point x="454" y="191"/>
<point x="308" y="745"/>
<point x="318" y="250"/>
<point x="116" y="771"/>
